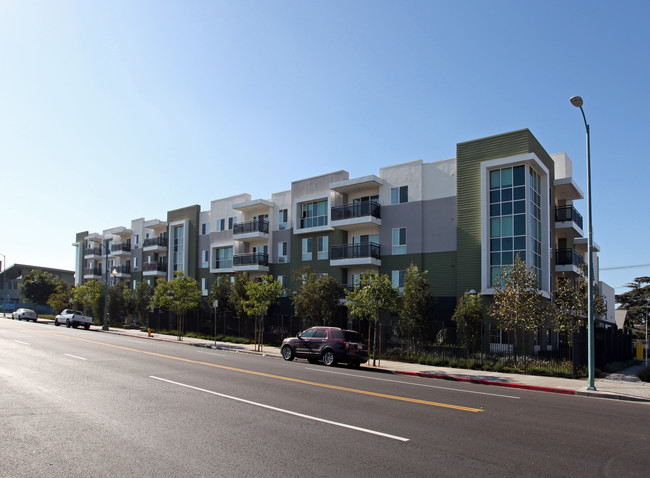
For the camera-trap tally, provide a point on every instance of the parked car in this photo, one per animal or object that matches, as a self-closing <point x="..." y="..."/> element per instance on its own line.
<point x="329" y="344"/>
<point x="73" y="318"/>
<point x="24" y="314"/>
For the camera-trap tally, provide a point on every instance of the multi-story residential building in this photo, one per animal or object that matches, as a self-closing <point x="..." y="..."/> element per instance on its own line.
<point x="461" y="219"/>
<point x="11" y="279"/>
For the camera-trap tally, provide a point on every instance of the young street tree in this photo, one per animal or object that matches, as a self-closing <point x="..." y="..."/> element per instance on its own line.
<point x="418" y="304"/>
<point x="60" y="298"/>
<point x="91" y="297"/>
<point x="38" y="286"/>
<point x="636" y="300"/>
<point x="517" y="303"/>
<point x="370" y="297"/>
<point x="178" y="295"/>
<point x="469" y="320"/>
<point x="261" y="295"/>
<point x="239" y="294"/>
<point x="143" y="295"/>
<point x="316" y="299"/>
<point x="116" y="304"/>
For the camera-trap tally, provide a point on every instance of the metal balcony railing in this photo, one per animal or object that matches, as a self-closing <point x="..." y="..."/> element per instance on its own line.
<point x="123" y="269"/>
<point x="251" y="259"/>
<point x="568" y="213"/>
<point x="156" y="241"/>
<point x="123" y="247"/>
<point x="154" y="267"/>
<point x="361" y="209"/>
<point x="93" y="271"/>
<point x="257" y="225"/>
<point x="568" y="257"/>
<point x="93" y="251"/>
<point x="356" y="251"/>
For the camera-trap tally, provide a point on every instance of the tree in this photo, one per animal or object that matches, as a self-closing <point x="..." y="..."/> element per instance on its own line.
<point x="116" y="304"/>
<point x="91" y="296"/>
<point x="239" y="293"/>
<point x="517" y="302"/>
<point x="142" y="296"/>
<point x="60" y="298"/>
<point x="571" y="303"/>
<point x="221" y="291"/>
<point x="37" y="286"/>
<point x="417" y="309"/>
<point x="636" y="300"/>
<point x="178" y="295"/>
<point x="317" y="298"/>
<point x="261" y="295"/>
<point x="469" y="320"/>
<point x="370" y="297"/>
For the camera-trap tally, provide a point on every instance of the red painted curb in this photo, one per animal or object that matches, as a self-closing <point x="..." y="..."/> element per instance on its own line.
<point x="538" y="388"/>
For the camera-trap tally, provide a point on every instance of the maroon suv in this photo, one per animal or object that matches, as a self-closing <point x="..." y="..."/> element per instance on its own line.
<point x="329" y="344"/>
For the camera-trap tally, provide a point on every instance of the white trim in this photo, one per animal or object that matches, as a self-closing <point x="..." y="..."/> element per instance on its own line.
<point x="170" y="251"/>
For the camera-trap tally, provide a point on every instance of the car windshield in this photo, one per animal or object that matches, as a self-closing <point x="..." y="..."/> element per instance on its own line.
<point x="347" y="335"/>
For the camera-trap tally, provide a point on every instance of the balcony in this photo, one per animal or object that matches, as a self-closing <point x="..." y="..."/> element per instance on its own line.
<point x="123" y="249"/>
<point x="91" y="252"/>
<point x="158" y="243"/>
<point x="123" y="270"/>
<point x="251" y="229"/>
<point x="356" y="254"/>
<point x="351" y="215"/>
<point x="154" y="269"/>
<point x="568" y="222"/>
<point x="568" y="261"/>
<point x="255" y="261"/>
<point x="93" y="273"/>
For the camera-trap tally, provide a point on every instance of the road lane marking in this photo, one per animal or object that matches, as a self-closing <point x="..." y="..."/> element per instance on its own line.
<point x="413" y="383"/>
<point x="277" y="377"/>
<point x="75" y="356"/>
<point x="283" y="410"/>
<point x="21" y="342"/>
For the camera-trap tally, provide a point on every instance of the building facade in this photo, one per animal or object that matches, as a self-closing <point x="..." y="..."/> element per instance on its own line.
<point x="461" y="219"/>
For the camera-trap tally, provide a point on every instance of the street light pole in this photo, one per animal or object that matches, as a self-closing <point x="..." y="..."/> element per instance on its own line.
<point x="4" y="282"/>
<point x="577" y="102"/>
<point x="105" y="326"/>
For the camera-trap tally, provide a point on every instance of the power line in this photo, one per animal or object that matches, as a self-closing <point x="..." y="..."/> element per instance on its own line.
<point x="623" y="267"/>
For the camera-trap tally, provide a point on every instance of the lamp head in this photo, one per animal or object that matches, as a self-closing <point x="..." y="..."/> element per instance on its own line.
<point x="576" y="101"/>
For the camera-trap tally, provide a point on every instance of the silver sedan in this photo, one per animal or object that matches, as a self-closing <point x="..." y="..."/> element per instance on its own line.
<point x="24" y="314"/>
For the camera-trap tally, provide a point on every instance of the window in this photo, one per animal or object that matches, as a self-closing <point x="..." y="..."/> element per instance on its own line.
<point x="399" y="195"/>
<point x="322" y="247"/>
<point x="135" y="284"/>
<point x="282" y="219"/>
<point x="313" y="214"/>
<point x="223" y="258"/>
<point x="205" y="258"/>
<point x="135" y="264"/>
<point x="204" y="290"/>
<point x="356" y="279"/>
<point x="307" y="249"/>
<point x="205" y="228"/>
<point x="221" y="225"/>
<point x="282" y="280"/>
<point x="178" y="248"/>
<point x="136" y="241"/>
<point x="282" y="252"/>
<point x="231" y="222"/>
<point x="399" y="240"/>
<point x="398" y="279"/>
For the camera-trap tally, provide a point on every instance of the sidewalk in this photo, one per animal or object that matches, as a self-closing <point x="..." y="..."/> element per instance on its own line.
<point x="624" y="385"/>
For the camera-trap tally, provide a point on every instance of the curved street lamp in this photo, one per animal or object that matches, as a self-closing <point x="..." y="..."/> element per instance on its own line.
<point x="577" y="102"/>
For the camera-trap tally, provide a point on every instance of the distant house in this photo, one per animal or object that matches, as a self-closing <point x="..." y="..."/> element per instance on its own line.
<point x="10" y="280"/>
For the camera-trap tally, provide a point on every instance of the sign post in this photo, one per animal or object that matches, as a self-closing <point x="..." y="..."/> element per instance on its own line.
<point x="215" y="304"/>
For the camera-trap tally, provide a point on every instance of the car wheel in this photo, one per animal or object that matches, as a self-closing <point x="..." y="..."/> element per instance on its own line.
<point x="287" y="353"/>
<point x="86" y="326"/>
<point x="328" y="357"/>
<point x="67" y="323"/>
<point x="56" y="322"/>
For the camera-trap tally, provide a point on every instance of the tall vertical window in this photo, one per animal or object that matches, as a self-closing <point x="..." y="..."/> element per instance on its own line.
<point x="231" y="222"/>
<point x="322" y="247"/>
<point x="399" y="240"/>
<point x="223" y="258"/>
<point x="509" y="216"/>
<point x="282" y="252"/>
<point x="205" y="258"/>
<point x="397" y="278"/>
<point x="204" y="289"/>
<point x="399" y="195"/>
<point x="307" y="249"/>
<point x="282" y="219"/>
<point x="313" y="214"/>
<point x="221" y="225"/>
<point x="178" y="248"/>
<point x="136" y="241"/>
<point x="205" y="228"/>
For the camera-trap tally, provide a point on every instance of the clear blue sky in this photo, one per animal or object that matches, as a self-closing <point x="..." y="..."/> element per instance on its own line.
<point x="114" y="110"/>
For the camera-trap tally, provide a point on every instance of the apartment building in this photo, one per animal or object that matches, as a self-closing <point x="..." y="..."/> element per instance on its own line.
<point x="461" y="219"/>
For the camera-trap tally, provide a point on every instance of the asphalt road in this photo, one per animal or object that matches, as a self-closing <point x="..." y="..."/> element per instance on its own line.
<point x="85" y="403"/>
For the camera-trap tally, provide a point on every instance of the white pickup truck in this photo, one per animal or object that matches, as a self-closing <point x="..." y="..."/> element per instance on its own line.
<point x="73" y="318"/>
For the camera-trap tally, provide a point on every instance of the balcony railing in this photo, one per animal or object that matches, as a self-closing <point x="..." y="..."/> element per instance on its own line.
<point x="362" y="209"/>
<point x="568" y="257"/>
<point x="252" y="259"/>
<point x="123" y="247"/>
<point x="257" y="225"/>
<point x="356" y="251"/>
<point x="568" y="213"/>
<point x="123" y="269"/>
<point x="93" y="251"/>
<point x="156" y="241"/>
<point x="93" y="271"/>
<point x="154" y="267"/>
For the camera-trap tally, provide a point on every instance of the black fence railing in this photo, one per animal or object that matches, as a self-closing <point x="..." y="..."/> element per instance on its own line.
<point x="361" y="209"/>
<point x="93" y="271"/>
<point x="257" y="225"/>
<point x="93" y="251"/>
<point x="123" y="247"/>
<point x="154" y="267"/>
<point x="356" y="251"/>
<point x="568" y="213"/>
<point x="252" y="259"/>
<point x="568" y="257"/>
<point x="123" y="269"/>
<point x="155" y="241"/>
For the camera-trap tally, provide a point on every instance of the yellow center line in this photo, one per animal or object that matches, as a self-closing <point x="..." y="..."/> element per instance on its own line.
<point x="278" y="377"/>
